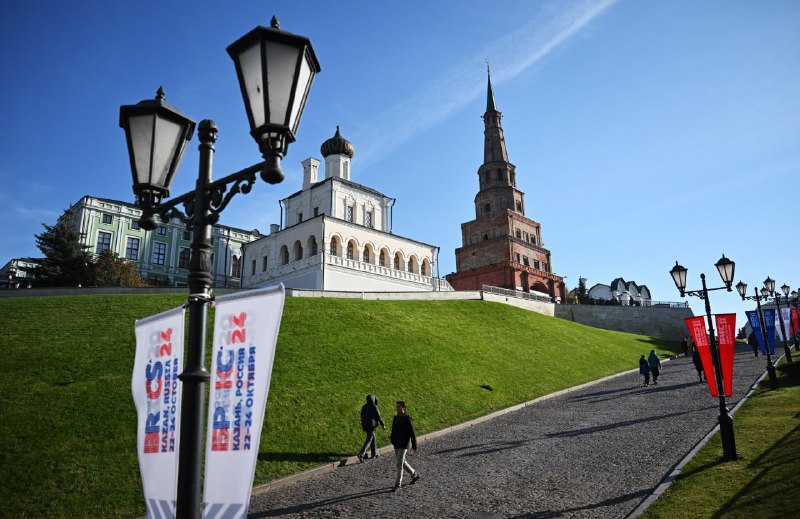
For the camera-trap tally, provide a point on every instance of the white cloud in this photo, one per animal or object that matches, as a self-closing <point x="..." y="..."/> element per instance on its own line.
<point x="459" y="85"/>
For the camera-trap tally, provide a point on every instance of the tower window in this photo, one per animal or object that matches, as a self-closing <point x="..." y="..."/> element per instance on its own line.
<point x="499" y="174"/>
<point x="525" y="261"/>
<point x="519" y="234"/>
<point x="485" y="237"/>
<point x="487" y="207"/>
<point x="519" y="206"/>
<point x="348" y="213"/>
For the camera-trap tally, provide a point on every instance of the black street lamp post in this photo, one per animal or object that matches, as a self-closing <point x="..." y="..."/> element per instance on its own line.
<point x="741" y="287"/>
<point x="275" y="70"/>
<point x="777" y="297"/>
<point x="795" y="301"/>
<point x="725" y="267"/>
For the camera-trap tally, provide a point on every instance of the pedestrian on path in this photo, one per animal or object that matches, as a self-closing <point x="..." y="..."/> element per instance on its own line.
<point x="685" y="347"/>
<point x="698" y="363"/>
<point x="370" y="419"/>
<point x="403" y="437"/>
<point x="753" y="342"/>
<point x="644" y="369"/>
<point x="655" y="365"/>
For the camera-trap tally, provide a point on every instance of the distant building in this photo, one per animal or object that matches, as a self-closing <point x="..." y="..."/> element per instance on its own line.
<point x="338" y="236"/>
<point x="622" y="292"/>
<point x="501" y="246"/>
<point x="161" y="255"/>
<point x="17" y="273"/>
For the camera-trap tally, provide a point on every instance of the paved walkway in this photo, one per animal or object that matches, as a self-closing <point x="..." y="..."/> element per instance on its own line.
<point x="595" y="452"/>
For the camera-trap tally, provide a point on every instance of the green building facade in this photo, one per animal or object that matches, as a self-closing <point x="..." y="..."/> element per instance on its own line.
<point x="161" y="255"/>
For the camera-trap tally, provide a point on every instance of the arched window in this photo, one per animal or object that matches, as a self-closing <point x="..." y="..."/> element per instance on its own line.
<point x="424" y="268"/>
<point x="284" y="255"/>
<point x="485" y="237"/>
<point x="487" y="207"/>
<point x="236" y="267"/>
<point x="298" y="251"/>
<point x="366" y="255"/>
<point x="383" y="259"/>
<point x="334" y="248"/>
<point x="350" y="251"/>
<point x="312" y="245"/>
<point x="397" y="261"/>
<point x="519" y="234"/>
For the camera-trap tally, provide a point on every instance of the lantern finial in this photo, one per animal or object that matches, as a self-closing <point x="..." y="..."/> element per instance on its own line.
<point x="160" y="94"/>
<point x="274" y="23"/>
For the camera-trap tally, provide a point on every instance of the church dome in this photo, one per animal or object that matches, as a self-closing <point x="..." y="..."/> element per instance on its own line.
<point x="337" y="145"/>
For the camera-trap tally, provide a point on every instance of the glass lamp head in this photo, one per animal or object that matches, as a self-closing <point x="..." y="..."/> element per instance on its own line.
<point x="157" y="134"/>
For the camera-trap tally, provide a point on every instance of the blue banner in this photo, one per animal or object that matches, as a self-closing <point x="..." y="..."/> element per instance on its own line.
<point x="769" y="326"/>
<point x="755" y="324"/>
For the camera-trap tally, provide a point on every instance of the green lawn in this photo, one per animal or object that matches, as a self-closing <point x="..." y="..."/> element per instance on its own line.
<point x="68" y="426"/>
<point x="763" y="483"/>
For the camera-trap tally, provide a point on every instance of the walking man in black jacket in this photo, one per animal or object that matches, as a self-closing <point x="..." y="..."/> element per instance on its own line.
<point x="403" y="437"/>
<point x="370" y="418"/>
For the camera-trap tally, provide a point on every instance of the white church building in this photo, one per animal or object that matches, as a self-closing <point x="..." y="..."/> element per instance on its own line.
<point x="338" y="236"/>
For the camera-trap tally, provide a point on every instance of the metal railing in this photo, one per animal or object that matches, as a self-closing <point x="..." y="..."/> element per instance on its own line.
<point x="632" y="304"/>
<point x="516" y="293"/>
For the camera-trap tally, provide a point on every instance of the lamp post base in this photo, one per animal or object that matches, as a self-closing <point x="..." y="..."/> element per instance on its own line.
<point x="773" y="378"/>
<point x="726" y="433"/>
<point x="788" y="352"/>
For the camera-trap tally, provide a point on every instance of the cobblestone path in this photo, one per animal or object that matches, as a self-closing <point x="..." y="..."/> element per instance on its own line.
<point x="595" y="452"/>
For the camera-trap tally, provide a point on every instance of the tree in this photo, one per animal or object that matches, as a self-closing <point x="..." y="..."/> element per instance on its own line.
<point x="66" y="260"/>
<point x="742" y="334"/>
<point x="581" y="292"/>
<point x="109" y="270"/>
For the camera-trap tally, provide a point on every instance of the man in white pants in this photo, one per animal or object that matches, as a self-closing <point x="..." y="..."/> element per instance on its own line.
<point x="403" y="437"/>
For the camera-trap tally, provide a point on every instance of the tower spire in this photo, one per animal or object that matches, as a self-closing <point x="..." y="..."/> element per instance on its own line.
<point x="490" y="105"/>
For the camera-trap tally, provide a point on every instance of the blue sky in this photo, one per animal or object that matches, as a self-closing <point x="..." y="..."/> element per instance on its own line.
<point x="643" y="132"/>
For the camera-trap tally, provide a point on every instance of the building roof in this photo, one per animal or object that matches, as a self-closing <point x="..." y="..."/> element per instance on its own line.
<point x="343" y="181"/>
<point x="490" y="104"/>
<point x="134" y="206"/>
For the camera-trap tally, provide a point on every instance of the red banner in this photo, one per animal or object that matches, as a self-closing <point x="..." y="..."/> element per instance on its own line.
<point x="795" y="320"/>
<point x="697" y="329"/>
<point x="726" y="339"/>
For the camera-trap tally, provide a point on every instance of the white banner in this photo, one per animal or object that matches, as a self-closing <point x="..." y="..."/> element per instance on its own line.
<point x="157" y="396"/>
<point x="786" y="314"/>
<point x="246" y="328"/>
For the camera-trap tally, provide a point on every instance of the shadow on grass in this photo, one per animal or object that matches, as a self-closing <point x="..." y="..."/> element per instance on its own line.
<point x="702" y="468"/>
<point x="773" y="466"/>
<point x="633" y="496"/>
<point x="303" y="457"/>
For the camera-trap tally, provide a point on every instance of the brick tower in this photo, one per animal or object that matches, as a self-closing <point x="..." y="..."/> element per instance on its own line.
<point x="502" y="247"/>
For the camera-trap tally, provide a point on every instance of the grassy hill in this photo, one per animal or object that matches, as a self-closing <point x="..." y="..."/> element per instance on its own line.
<point x="68" y="430"/>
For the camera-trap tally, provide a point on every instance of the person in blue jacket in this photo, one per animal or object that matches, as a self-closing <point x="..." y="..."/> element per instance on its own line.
<point x="644" y="369"/>
<point x="370" y="419"/>
<point x="655" y="365"/>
